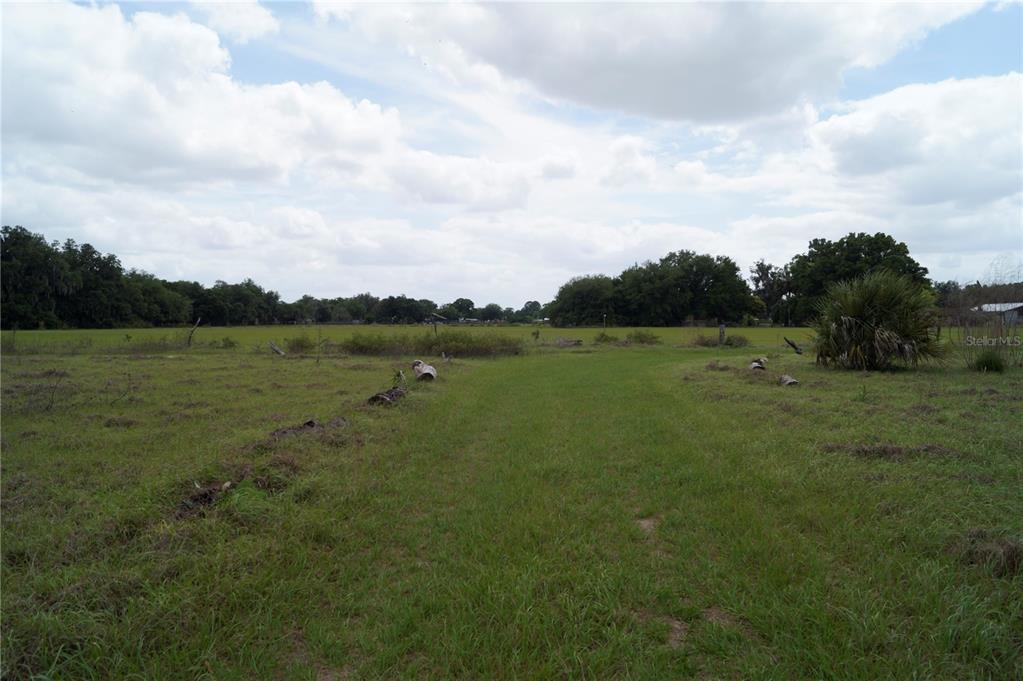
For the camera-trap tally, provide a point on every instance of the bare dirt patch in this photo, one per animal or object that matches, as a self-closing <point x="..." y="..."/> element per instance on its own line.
<point x="196" y="503"/>
<point x="1001" y="553"/>
<point x="677" y="629"/>
<point x="15" y="491"/>
<point x="285" y="463"/>
<point x="887" y="451"/>
<point x="720" y="617"/>
<point x="300" y="655"/>
<point x="48" y="373"/>
<point x="714" y="365"/>
<point x="976" y="478"/>
<point x="119" y="422"/>
<point x="677" y="632"/>
<point x="312" y="425"/>
<point x="305" y="427"/>
<point x="648" y="525"/>
<point x="191" y="404"/>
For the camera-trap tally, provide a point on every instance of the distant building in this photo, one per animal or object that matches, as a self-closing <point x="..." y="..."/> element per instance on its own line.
<point x="1009" y="313"/>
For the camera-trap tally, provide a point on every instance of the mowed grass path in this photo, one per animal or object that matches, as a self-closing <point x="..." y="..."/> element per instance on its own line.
<point x="631" y="513"/>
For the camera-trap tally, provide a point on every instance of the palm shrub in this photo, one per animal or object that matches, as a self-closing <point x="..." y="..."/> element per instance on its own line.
<point x="876" y="321"/>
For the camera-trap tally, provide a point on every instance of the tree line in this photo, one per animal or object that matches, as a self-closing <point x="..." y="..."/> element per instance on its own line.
<point x="52" y="285"/>
<point x="685" y="287"/>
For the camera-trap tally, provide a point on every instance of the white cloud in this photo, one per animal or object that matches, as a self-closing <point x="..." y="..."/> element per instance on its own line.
<point x="478" y="182"/>
<point x="240" y="20"/>
<point x="145" y="144"/>
<point x="700" y="62"/>
<point x="559" y="166"/>
<point x="155" y="98"/>
<point x="953" y="141"/>
<point x="629" y="162"/>
<point x="154" y="103"/>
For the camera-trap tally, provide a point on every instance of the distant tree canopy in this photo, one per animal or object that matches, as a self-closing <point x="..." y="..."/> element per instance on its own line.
<point x="790" y="293"/>
<point x="52" y="285"/>
<point x="680" y="286"/>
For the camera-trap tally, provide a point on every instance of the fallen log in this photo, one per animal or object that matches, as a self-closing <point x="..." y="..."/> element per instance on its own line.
<point x="424" y="372"/>
<point x="276" y="349"/>
<point x="795" y="347"/>
<point x="388" y="397"/>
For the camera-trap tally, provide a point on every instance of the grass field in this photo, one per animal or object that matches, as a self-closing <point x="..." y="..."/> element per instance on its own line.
<point x="597" y="512"/>
<point x="255" y="338"/>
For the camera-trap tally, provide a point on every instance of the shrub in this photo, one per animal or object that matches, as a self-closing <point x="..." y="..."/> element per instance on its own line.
<point x="991" y="347"/>
<point x="300" y="345"/>
<point x="462" y="344"/>
<point x="373" y="344"/>
<point x="604" y="338"/>
<point x="988" y="359"/>
<point x="642" y="338"/>
<point x="732" y="341"/>
<point x="875" y="322"/>
<point x="452" y="343"/>
<point x="227" y="343"/>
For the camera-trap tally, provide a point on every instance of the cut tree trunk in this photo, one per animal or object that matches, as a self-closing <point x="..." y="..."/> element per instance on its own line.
<point x="424" y="371"/>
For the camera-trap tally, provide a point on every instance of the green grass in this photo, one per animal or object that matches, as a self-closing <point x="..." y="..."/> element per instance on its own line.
<point x="255" y="338"/>
<point x="590" y="512"/>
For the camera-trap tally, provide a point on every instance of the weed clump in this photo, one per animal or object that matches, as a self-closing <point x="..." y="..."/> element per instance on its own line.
<point x="736" y="341"/>
<point x="300" y="345"/>
<point x="733" y="341"/>
<point x="988" y="359"/>
<point x="451" y="343"/>
<point x="603" y="338"/>
<point x="642" y="338"/>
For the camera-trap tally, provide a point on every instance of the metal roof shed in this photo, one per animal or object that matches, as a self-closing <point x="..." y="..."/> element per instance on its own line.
<point x="1009" y="313"/>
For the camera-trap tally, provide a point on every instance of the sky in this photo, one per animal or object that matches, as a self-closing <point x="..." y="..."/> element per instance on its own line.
<point x="493" y="151"/>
